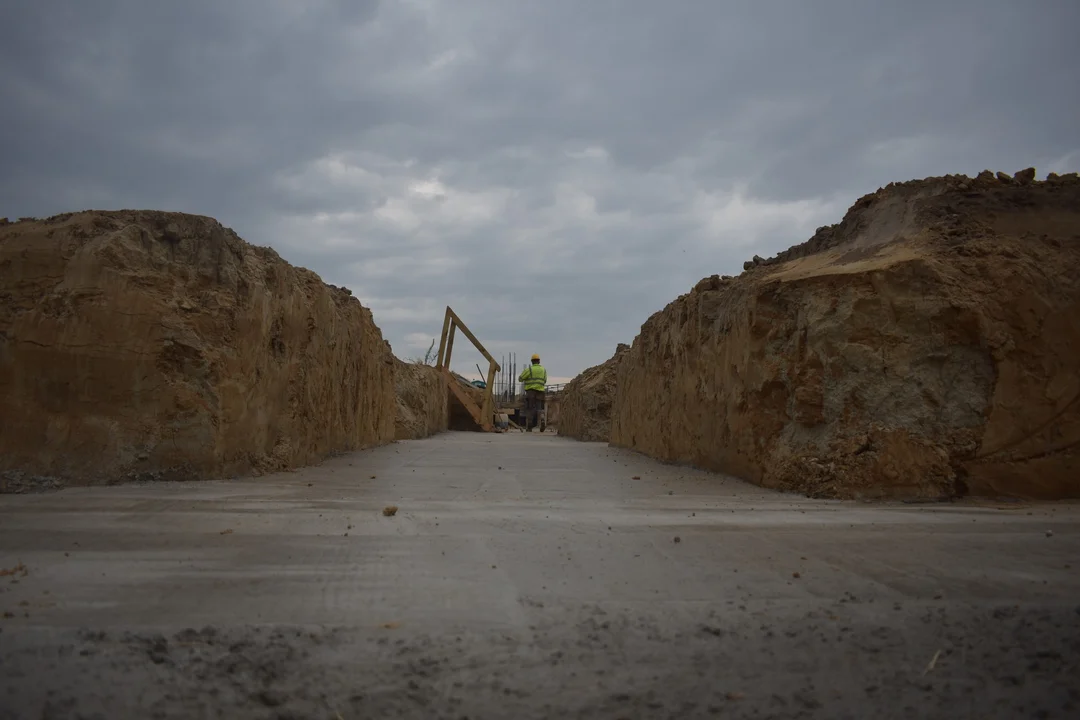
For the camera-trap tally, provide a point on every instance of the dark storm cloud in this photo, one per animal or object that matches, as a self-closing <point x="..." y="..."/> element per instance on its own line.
<point x="555" y="171"/>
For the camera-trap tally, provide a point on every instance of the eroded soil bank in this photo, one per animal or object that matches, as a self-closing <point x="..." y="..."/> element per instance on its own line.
<point x="926" y="346"/>
<point x="153" y="345"/>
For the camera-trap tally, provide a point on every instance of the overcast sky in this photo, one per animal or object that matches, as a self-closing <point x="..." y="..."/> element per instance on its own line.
<point x="555" y="170"/>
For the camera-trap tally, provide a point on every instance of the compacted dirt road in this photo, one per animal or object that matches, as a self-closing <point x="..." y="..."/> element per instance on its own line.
<point x="528" y="577"/>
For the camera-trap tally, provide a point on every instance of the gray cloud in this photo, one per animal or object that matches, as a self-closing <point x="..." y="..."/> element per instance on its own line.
<point x="555" y="171"/>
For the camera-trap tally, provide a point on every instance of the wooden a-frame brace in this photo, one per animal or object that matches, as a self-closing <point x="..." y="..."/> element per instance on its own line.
<point x="482" y="415"/>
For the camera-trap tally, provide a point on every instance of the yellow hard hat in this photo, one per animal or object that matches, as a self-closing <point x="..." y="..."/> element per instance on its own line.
<point x="535" y="356"/>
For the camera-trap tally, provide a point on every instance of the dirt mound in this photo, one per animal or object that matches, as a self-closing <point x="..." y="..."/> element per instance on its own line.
<point x="925" y="346"/>
<point x="587" y="400"/>
<point x="152" y="345"/>
<point x="421" y="401"/>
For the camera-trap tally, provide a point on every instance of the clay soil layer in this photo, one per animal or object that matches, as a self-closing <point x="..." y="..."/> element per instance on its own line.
<point x="151" y="345"/>
<point x="926" y="346"/>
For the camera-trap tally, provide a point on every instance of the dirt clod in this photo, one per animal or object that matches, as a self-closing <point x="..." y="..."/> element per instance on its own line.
<point x="390" y="510"/>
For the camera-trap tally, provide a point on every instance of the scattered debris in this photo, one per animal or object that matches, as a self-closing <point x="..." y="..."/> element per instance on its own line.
<point x="389" y="510"/>
<point x="227" y="532"/>
<point x="19" y="569"/>
<point x="933" y="662"/>
<point x="636" y="477"/>
<point x="796" y="575"/>
<point x="678" y="539"/>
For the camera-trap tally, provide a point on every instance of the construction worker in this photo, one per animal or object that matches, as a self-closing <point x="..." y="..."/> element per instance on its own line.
<point x="534" y="378"/>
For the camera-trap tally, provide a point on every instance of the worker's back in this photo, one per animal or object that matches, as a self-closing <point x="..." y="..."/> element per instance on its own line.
<point x="534" y="377"/>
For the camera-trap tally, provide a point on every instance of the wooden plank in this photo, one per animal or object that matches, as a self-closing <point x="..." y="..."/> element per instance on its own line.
<point x="442" y="338"/>
<point x="466" y="401"/>
<point x="460" y="394"/>
<point x="450" y="345"/>
<point x="489" y="394"/>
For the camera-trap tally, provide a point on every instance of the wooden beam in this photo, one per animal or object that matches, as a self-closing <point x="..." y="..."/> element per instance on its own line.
<point x="450" y="344"/>
<point x="468" y="333"/>
<point x="489" y="395"/>
<point x="483" y="415"/>
<point x="442" y="338"/>
<point x="477" y="413"/>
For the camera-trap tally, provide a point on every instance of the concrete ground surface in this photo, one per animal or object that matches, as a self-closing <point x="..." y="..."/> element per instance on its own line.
<point x="530" y="577"/>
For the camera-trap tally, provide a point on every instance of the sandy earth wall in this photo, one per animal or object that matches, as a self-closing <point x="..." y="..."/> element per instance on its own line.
<point x="421" y="401"/>
<point x="587" y="401"/>
<point x="152" y="345"/>
<point x="927" y="346"/>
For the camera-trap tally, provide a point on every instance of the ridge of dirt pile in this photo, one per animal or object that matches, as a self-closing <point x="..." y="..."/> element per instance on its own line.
<point x="155" y="345"/>
<point x="421" y="401"/>
<point x="586" y="401"/>
<point x="925" y="346"/>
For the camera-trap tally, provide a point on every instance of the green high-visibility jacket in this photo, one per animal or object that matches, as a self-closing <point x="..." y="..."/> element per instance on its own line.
<point x="534" y="377"/>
